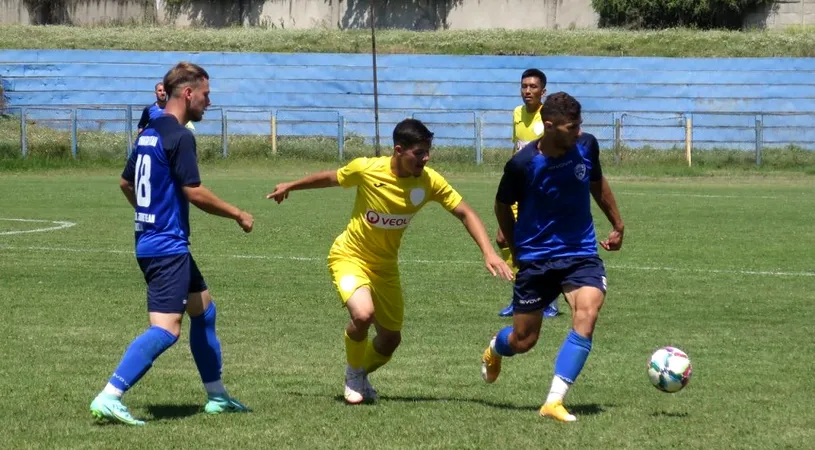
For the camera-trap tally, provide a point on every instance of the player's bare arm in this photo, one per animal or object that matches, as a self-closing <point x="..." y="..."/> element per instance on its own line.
<point x="127" y="190"/>
<point x="495" y="265"/>
<point x="601" y="191"/>
<point x="506" y="223"/>
<point x="324" y="179"/>
<point x="208" y="202"/>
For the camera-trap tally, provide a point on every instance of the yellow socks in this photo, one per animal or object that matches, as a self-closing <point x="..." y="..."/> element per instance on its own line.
<point x="373" y="359"/>
<point x="355" y="351"/>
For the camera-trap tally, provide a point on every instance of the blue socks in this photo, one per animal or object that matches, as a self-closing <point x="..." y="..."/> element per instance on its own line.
<point x="204" y="344"/>
<point x="572" y="356"/>
<point x="139" y="356"/>
<point x="502" y="342"/>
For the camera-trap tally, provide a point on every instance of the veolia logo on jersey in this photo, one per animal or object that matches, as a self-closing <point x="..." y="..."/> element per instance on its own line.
<point x="387" y="221"/>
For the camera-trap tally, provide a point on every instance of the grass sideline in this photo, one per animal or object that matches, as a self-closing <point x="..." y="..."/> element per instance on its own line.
<point x="791" y="42"/>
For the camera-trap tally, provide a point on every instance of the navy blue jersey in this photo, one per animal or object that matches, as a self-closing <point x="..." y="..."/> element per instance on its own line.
<point x="554" y="201"/>
<point x="149" y="113"/>
<point x="163" y="161"/>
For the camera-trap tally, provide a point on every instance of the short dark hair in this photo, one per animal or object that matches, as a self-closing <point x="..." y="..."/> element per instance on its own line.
<point x="411" y="132"/>
<point x="535" y="73"/>
<point x="182" y="74"/>
<point x="560" y="105"/>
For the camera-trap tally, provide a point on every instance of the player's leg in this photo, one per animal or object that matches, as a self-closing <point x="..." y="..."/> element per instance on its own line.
<point x="353" y="286"/>
<point x="360" y="308"/>
<point x="167" y="278"/>
<point x="501" y="242"/>
<point x="389" y="307"/>
<point x="584" y="289"/>
<point x="389" y="311"/>
<point x="534" y="288"/>
<point x="380" y="349"/>
<point x="206" y="347"/>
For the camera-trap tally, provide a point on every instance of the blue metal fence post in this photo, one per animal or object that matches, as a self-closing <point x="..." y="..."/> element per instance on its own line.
<point x="341" y="136"/>
<point x="129" y="129"/>
<point x="73" y="133"/>
<point x="479" y="155"/>
<point x="23" y="133"/>
<point x="224" y="134"/>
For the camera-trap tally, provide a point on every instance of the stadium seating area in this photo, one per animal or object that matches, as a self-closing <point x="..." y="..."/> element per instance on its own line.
<point x="463" y="98"/>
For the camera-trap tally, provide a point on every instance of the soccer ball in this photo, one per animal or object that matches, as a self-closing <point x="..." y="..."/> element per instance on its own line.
<point x="669" y="369"/>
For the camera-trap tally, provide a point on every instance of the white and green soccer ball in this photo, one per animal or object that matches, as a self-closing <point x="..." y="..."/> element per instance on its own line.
<point x="669" y="369"/>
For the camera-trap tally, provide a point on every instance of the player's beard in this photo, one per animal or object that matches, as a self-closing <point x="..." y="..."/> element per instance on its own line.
<point x="196" y="114"/>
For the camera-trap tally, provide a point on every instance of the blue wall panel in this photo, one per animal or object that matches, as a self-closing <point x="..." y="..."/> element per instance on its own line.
<point x="651" y="96"/>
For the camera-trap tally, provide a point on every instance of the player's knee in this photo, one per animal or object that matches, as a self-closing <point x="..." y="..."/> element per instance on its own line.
<point x="500" y="241"/>
<point x="175" y="331"/>
<point x="524" y="343"/>
<point x="168" y="322"/>
<point x="584" y="320"/>
<point x="363" y="318"/>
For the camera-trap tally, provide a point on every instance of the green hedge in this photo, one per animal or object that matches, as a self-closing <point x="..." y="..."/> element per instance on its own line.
<point x="703" y="14"/>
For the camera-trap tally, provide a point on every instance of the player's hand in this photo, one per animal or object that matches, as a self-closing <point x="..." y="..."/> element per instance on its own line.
<point x="614" y="241"/>
<point x="497" y="266"/>
<point x="246" y="221"/>
<point x="281" y="192"/>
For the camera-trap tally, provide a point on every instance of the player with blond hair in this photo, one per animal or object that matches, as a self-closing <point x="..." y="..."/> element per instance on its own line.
<point x="160" y="180"/>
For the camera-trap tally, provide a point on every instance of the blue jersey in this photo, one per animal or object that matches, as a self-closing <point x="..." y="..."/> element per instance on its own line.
<point x="163" y="161"/>
<point x="554" y="201"/>
<point x="155" y="111"/>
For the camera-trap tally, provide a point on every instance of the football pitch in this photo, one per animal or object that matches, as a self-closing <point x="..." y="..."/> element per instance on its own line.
<point x="721" y="267"/>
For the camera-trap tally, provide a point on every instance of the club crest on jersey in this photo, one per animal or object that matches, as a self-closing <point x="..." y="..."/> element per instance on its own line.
<point x="580" y="171"/>
<point x="387" y="221"/>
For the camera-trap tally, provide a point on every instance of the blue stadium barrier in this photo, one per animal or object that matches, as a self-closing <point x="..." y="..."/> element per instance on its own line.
<point x="466" y="100"/>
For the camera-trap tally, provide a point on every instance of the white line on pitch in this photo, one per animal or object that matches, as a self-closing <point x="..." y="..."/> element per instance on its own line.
<point x="60" y="224"/>
<point x="680" y="194"/>
<point x="771" y="273"/>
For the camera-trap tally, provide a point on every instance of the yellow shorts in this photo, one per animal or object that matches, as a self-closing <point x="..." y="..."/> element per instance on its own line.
<point x="349" y="274"/>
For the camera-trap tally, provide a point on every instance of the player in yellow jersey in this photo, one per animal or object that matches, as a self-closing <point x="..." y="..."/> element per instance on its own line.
<point x="527" y="126"/>
<point x="390" y="190"/>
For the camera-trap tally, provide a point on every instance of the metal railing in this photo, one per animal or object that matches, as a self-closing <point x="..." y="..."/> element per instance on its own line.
<point x="109" y="131"/>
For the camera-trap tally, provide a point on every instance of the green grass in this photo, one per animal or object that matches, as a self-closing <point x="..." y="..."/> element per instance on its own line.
<point x="694" y="272"/>
<point x="798" y="41"/>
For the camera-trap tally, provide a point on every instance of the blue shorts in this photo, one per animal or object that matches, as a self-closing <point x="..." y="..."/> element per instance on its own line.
<point x="170" y="280"/>
<point x="539" y="283"/>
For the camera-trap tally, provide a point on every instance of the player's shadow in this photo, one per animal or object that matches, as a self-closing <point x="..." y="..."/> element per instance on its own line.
<point x="418" y="399"/>
<point x="172" y="412"/>
<point x="587" y="409"/>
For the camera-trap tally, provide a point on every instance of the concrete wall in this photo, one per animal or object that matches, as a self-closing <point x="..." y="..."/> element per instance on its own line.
<point x="345" y="14"/>
<point x="308" y="92"/>
<point x="13" y="12"/>
<point x="91" y="12"/>
<point x="784" y="13"/>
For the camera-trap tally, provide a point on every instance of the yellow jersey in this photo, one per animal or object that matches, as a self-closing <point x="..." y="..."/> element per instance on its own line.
<point x="384" y="207"/>
<point x="526" y="126"/>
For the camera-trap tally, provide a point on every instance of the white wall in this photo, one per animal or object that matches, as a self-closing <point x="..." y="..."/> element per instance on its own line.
<point x="410" y="14"/>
